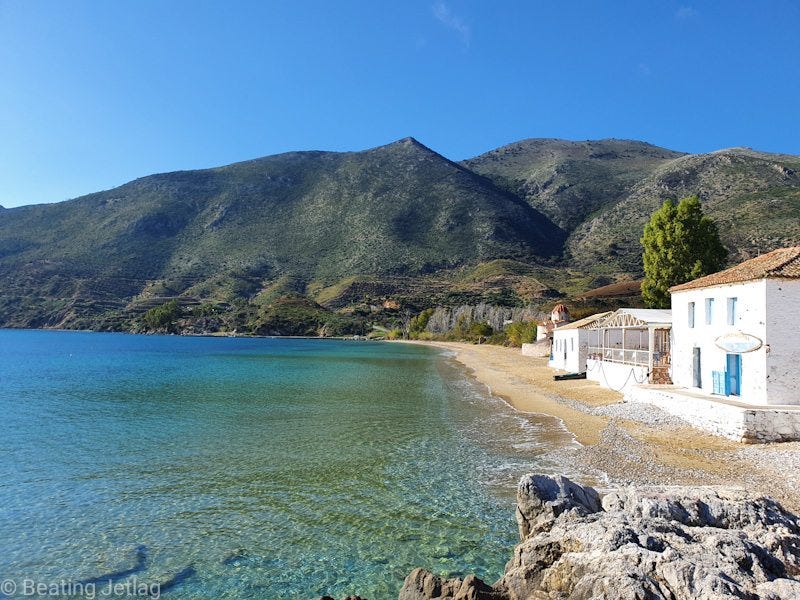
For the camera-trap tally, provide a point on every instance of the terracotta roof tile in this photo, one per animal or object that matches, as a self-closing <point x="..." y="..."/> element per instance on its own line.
<point x="782" y="263"/>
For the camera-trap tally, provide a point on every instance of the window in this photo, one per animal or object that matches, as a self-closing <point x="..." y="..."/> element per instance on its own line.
<point x="731" y="311"/>
<point x="572" y="344"/>
<point x="709" y="310"/>
<point x="691" y="315"/>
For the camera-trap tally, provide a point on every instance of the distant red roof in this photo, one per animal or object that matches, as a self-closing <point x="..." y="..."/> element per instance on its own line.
<point x="781" y="263"/>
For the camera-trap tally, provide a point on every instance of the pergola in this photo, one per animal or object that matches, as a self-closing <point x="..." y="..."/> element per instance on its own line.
<point x="631" y="336"/>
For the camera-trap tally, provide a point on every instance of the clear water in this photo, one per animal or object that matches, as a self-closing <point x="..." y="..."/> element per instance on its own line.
<point x="275" y="468"/>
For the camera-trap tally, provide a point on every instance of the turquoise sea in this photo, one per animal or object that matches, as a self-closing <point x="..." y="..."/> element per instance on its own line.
<point x="253" y="468"/>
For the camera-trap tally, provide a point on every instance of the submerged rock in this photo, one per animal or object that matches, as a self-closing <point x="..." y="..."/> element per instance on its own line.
<point x="653" y="543"/>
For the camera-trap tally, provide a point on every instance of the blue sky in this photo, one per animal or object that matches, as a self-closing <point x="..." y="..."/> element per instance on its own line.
<point x="94" y="94"/>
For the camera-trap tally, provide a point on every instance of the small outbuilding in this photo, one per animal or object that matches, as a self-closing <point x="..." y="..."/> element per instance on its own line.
<point x="570" y="344"/>
<point x="559" y="317"/>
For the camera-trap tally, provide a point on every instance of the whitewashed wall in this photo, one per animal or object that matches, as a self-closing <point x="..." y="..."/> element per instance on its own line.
<point x="751" y="318"/>
<point x="615" y="376"/>
<point x="569" y="350"/>
<point x="783" y="340"/>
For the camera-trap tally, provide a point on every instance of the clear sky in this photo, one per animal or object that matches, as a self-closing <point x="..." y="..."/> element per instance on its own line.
<point x="94" y="94"/>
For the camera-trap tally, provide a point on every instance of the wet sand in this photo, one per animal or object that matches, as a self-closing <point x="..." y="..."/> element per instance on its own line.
<point x="626" y="443"/>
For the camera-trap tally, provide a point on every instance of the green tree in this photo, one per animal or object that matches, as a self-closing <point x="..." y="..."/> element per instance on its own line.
<point x="163" y="316"/>
<point x="479" y="330"/>
<point x="521" y="333"/>
<point x="420" y="322"/>
<point x="680" y="244"/>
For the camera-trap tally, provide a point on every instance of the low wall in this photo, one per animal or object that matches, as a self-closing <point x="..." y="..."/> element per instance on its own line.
<point x="616" y="376"/>
<point x="743" y="424"/>
<point x="536" y="349"/>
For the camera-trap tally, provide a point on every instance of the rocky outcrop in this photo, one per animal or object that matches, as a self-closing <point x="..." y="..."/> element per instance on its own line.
<point x="424" y="585"/>
<point x="670" y="543"/>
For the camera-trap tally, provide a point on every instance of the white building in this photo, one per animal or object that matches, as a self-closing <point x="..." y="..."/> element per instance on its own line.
<point x="559" y="317"/>
<point x="630" y="347"/>
<point x="736" y="332"/>
<point x="735" y="351"/>
<point x="570" y="344"/>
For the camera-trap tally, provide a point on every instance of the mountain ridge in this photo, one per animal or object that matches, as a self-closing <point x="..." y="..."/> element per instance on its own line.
<point x="398" y="224"/>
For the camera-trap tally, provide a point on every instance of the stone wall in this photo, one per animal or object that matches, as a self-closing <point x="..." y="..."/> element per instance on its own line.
<point x="740" y="423"/>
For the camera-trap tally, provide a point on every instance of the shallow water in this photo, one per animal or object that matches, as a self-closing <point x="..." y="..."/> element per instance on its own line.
<point x="276" y="468"/>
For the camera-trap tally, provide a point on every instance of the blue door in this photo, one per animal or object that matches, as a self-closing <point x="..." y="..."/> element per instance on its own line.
<point x="734" y="373"/>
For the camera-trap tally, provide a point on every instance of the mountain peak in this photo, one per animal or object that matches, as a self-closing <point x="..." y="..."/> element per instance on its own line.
<point x="410" y="144"/>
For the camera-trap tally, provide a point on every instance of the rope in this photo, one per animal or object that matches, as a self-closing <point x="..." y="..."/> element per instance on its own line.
<point x="630" y="373"/>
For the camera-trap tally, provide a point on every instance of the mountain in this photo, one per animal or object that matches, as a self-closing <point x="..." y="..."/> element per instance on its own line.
<point x="280" y="244"/>
<point x="754" y="198"/>
<point x="601" y="193"/>
<point x="285" y="223"/>
<point x="568" y="181"/>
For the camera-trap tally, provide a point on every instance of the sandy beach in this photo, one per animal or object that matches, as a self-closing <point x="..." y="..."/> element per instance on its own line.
<point x="624" y="443"/>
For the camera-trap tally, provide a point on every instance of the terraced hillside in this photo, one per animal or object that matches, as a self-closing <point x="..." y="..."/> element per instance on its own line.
<point x="299" y="220"/>
<point x="394" y="229"/>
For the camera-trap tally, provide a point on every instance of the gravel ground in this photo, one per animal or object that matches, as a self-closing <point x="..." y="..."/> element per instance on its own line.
<point x="631" y="442"/>
<point x="621" y="459"/>
<point x="646" y="414"/>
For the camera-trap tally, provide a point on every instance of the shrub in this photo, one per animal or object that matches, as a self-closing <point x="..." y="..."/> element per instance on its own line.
<point x="162" y="317"/>
<point x="521" y="333"/>
<point x="394" y="334"/>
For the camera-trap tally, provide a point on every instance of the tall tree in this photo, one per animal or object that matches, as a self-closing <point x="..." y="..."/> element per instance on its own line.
<point x="680" y="244"/>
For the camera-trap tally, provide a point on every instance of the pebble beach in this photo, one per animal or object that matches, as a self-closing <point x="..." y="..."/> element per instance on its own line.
<point x="622" y="443"/>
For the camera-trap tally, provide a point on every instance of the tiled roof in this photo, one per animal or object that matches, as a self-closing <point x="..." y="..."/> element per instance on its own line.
<point x="783" y="263"/>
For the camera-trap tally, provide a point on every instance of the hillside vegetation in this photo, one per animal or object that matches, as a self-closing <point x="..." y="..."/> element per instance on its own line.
<point x="601" y="193"/>
<point x="345" y="239"/>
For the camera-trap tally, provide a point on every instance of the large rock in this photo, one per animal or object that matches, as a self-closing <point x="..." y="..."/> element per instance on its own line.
<point x="423" y="585"/>
<point x="540" y="499"/>
<point x="670" y="543"/>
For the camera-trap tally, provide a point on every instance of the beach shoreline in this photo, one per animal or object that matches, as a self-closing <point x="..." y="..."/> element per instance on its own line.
<point x="627" y="443"/>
